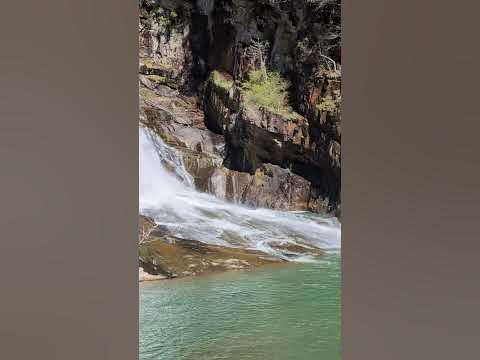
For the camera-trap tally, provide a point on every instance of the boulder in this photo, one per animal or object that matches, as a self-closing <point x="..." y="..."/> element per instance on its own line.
<point x="270" y="187"/>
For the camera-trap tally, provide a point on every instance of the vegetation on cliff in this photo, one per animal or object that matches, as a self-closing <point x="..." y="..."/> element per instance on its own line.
<point x="151" y="14"/>
<point x="268" y="90"/>
<point x="221" y="80"/>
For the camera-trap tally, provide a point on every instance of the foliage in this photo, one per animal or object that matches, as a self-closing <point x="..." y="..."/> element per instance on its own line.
<point x="151" y="14"/>
<point x="330" y="103"/>
<point x="268" y="90"/>
<point x="327" y="104"/>
<point x="323" y="72"/>
<point x="323" y="46"/>
<point x="163" y="17"/>
<point x="257" y="52"/>
<point x="221" y="81"/>
<point x="322" y="3"/>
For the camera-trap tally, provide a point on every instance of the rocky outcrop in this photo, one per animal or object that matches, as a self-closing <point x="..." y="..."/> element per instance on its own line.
<point x="162" y="256"/>
<point x="203" y="155"/>
<point x="180" y="257"/>
<point x="257" y="136"/>
<point x="164" y="41"/>
<point x="304" y="45"/>
<point x="270" y="187"/>
<point x="193" y="59"/>
<point x="145" y="276"/>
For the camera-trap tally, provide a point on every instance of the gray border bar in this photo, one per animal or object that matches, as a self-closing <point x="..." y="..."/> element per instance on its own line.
<point x="69" y="179"/>
<point x="410" y="180"/>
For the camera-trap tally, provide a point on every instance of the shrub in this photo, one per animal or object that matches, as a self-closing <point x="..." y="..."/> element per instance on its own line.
<point x="330" y="103"/>
<point x="221" y="80"/>
<point x="268" y="90"/>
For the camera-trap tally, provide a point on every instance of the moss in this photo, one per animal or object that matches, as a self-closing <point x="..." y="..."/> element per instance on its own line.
<point x="146" y="94"/>
<point x="151" y="260"/>
<point x="268" y="90"/>
<point x="322" y="72"/>
<point x="145" y="251"/>
<point x="327" y="104"/>
<point x="221" y="80"/>
<point x="164" y="18"/>
<point x="157" y="79"/>
<point x="148" y="62"/>
<point x="330" y="103"/>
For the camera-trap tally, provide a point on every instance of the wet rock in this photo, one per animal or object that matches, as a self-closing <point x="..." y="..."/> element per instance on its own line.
<point x="173" y="257"/>
<point x="144" y="276"/>
<point x="221" y="100"/>
<point x="296" y="248"/>
<point x="164" y="256"/>
<point x="200" y="165"/>
<point x="270" y="187"/>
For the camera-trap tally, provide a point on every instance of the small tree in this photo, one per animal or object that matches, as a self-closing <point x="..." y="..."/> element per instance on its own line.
<point x="268" y="90"/>
<point x="145" y="232"/>
<point x="257" y="52"/>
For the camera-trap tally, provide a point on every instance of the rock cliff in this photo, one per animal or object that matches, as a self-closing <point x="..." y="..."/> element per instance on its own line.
<point x="195" y="59"/>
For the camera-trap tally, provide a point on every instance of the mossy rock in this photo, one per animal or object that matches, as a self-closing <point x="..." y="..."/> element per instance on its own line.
<point x="146" y="94"/>
<point x="268" y="91"/>
<point x="221" y="80"/>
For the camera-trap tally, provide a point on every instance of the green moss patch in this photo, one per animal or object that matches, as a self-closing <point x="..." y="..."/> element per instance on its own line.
<point x="146" y="94"/>
<point x="221" y="80"/>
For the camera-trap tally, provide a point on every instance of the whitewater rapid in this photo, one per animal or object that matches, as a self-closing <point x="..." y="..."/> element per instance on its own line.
<point x="171" y="199"/>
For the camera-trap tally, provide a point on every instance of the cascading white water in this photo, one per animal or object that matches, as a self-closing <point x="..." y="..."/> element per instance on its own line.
<point x="175" y="205"/>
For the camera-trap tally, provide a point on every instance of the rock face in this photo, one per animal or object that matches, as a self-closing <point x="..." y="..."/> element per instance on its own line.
<point x="304" y="38"/>
<point x="255" y="137"/>
<point x="270" y="187"/>
<point x="164" y="41"/>
<point x="192" y="60"/>
<point x="162" y="256"/>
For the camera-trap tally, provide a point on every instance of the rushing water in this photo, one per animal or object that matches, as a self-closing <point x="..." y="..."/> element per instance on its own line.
<point x="174" y="204"/>
<point x="279" y="313"/>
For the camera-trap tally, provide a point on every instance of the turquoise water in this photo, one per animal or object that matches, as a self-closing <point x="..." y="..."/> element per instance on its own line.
<point x="278" y="313"/>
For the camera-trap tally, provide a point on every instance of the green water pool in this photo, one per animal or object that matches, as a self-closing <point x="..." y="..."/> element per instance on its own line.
<point x="278" y="313"/>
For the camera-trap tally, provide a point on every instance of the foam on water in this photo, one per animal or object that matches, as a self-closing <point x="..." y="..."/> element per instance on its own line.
<point x="170" y="198"/>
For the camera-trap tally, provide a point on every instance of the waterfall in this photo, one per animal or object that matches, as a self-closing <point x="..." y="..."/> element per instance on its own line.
<point x="170" y="198"/>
